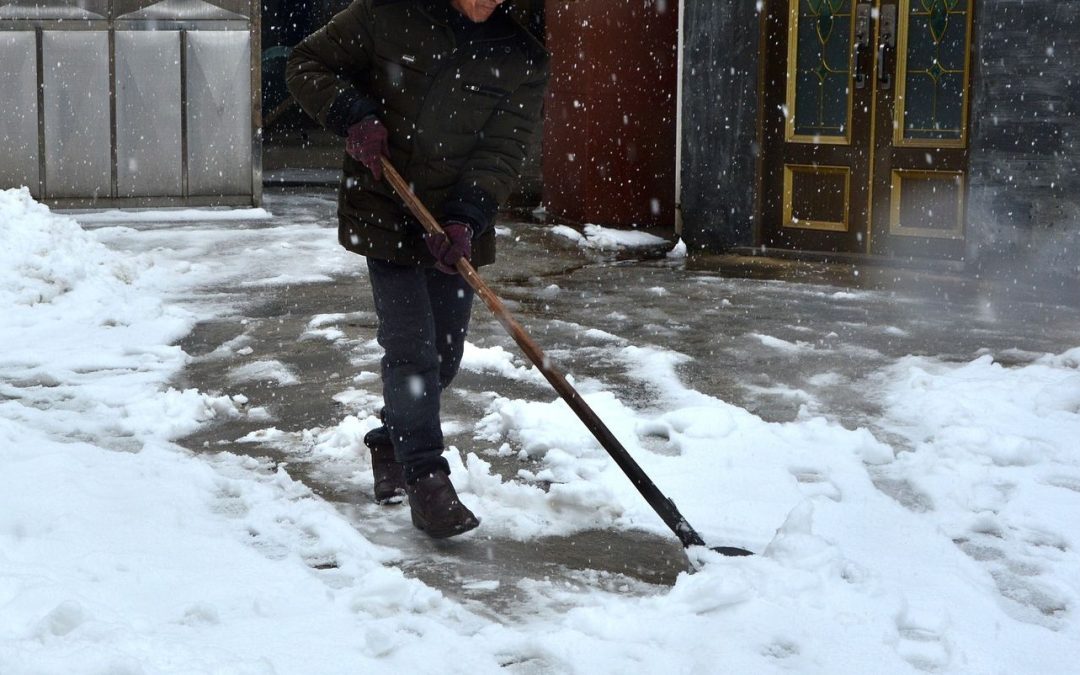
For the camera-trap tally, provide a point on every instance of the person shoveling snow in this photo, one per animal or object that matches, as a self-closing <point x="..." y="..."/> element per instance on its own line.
<point x="422" y="303"/>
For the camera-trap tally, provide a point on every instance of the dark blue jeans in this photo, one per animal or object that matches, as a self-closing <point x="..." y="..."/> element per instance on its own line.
<point x="423" y="319"/>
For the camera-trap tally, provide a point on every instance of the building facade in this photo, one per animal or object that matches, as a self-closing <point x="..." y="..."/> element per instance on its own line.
<point x="930" y="129"/>
<point x="897" y="129"/>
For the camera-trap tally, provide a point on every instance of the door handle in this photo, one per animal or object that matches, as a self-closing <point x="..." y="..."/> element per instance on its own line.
<point x="862" y="41"/>
<point x="886" y="45"/>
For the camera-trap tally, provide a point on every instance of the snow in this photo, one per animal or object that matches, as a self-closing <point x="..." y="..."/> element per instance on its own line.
<point x="679" y="251"/>
<point x="778" y="343"/>
<point x="497" y="360"/>
<point x="941" y="538"/>
<point x="599" y="237"/>
<point x="169" y="215"/>
<point x="263" y="371"/>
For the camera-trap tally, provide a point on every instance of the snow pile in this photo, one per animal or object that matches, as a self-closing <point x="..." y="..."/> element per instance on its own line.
<point x="989" y="415"/>
<point x="45" y="257"/>
<point x="155" y="562"/>
<point x="119" y="552"/>
<point x="958" y="556"/>
<point x="607" y="238"/>
<point x="950" y="549"/>
<point x="82" y="341"/>
<point x="270" y="370"/>
<point x="679" y="251"/>
<point x="995" y="457"/>
<point x="497" y="360"/>
<point x="687" y="429"/>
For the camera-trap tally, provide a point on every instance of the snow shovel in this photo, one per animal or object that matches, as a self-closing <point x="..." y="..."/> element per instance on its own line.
<point x="663" y="506"/>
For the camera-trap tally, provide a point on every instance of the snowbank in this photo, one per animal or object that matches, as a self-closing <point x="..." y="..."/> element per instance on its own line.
<point x="607" y="238"/>
<point x="954" y="554"/>
<point x="120" y="552"/>
<point x="951" y="548"/>
<point x="45" y="257"/>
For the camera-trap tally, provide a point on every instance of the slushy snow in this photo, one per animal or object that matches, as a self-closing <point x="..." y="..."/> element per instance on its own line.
<point x="600" y="237"/>
<point x="942" y="539"/>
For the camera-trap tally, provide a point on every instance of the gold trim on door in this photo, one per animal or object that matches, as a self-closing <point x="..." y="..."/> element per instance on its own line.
<point x="879" y="165"/>
<point x="792" y="77"/>
<point x="899" y="127"/>
<point x="812" y="223"/>
<point x="923" y="206"/>
<point x="871" y="143"/>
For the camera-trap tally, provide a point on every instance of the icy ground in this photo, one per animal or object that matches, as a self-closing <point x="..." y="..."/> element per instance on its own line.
<point x="907" y="465"/>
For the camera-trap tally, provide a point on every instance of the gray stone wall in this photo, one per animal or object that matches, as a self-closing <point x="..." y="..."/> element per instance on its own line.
<point x="720" y="111"/>
<point x="1024" y="196"/>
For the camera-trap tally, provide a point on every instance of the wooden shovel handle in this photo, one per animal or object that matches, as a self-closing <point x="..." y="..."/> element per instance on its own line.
<point x="663" y="506"/>
<point x="465" y="268"/>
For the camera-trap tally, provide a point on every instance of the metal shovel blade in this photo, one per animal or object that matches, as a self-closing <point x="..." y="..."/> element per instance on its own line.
<point x="731" y="551"/>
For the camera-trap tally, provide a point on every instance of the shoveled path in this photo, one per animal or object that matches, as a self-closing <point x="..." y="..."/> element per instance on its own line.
<point x="732" y="316"/>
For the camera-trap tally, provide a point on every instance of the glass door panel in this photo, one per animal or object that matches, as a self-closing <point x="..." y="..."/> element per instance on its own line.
<point x="817" y="131"/>
<point x="819" y="75"/>
<point x="865" y="126"/>
<point x="931" y="100"/>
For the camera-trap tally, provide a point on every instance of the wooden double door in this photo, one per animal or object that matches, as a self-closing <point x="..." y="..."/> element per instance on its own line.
<point x="865" y="144"/>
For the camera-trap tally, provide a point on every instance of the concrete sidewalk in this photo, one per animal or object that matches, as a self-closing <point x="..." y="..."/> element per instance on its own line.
<point x="739" y="319"/>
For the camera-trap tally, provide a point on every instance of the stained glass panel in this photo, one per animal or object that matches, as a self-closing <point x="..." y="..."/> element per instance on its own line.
<point x="822" y="69"/>
<point x="936" y="57"/>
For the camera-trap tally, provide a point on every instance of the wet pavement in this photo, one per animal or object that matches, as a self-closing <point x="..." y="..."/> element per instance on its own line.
<point x="772" y="336"/>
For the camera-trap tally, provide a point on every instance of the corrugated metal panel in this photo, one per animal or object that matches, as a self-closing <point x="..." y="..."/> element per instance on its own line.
<point x="149" y="152"/>
<point x="20" y="161"/>
<point x="219" y="112"/>
<point x="75" y="76"/>
<point x="96" y="106"/>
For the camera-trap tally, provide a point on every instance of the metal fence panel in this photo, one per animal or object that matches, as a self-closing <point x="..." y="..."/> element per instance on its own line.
<point x="131" y="102"/>
<point x="78" y="153"/>
<point x="219" y="112"/>
<point x="20" y="159"/>
<point x="149" y="150"/>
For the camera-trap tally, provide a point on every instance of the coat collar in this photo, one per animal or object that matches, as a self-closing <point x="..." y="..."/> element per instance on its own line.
<point x="499" y="27"/>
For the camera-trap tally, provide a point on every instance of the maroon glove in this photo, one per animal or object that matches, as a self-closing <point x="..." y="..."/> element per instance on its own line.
<point x="451" y="247"/>
<point x="367" y="142"/>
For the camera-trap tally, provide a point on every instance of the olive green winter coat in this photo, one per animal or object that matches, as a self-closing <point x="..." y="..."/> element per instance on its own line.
<point x="460" y="117"/>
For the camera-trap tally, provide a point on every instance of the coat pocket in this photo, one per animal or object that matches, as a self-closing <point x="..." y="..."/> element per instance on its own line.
<point x="400" y="67"/>
<point x="485" y="90"/>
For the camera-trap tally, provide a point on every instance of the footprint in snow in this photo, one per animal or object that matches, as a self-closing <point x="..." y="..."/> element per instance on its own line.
<point x="1064" y="481"/>
<point x="813" y="483"/>
<point x="1017" y="559"/>
<point x="922" y="638"/>
<point x="780" y="649"/>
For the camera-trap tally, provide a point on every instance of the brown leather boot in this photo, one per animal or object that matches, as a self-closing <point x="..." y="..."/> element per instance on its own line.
<point x="389" y="474"/>
<point x="436" y="508"/>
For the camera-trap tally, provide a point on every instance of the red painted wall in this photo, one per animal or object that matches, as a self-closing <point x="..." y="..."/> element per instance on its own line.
<point x="609" y="143"/>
